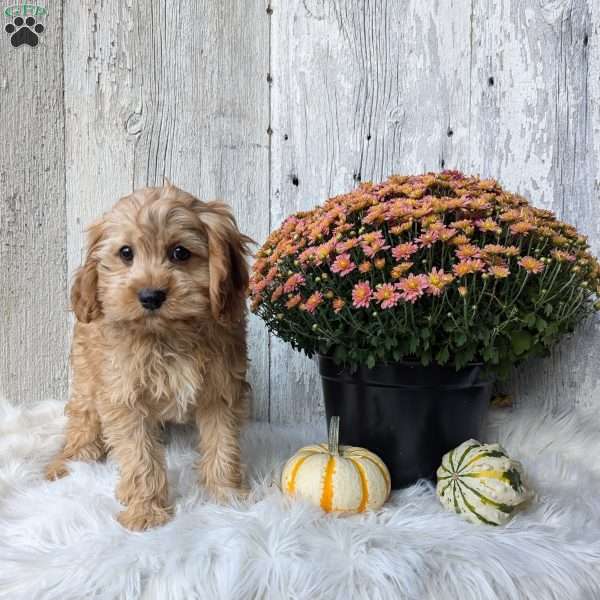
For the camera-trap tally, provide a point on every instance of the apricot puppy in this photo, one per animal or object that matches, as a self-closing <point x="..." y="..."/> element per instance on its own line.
<point x="160" y="336"/>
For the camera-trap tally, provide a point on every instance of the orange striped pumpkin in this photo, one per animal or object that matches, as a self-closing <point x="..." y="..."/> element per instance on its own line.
<point x="337" y="478"/>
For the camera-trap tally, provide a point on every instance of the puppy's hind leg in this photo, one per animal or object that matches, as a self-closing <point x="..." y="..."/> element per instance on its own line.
<point x="83" y="438"/>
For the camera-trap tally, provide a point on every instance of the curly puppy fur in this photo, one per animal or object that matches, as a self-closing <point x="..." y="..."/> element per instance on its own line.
<point x="140" y="360"/>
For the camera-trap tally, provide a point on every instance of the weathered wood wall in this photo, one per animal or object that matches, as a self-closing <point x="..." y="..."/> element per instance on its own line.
<point x="274" y="106"/>
<point x="33" y="235"/>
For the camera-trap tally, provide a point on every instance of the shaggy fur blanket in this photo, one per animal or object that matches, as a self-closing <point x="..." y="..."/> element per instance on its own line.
<point x="60" y="540"/>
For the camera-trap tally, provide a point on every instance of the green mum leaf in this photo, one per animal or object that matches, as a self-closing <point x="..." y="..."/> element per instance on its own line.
<point x="521" y="341"/>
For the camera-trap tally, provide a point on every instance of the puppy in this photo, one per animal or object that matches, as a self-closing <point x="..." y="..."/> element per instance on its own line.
<point x="160" y="336"/>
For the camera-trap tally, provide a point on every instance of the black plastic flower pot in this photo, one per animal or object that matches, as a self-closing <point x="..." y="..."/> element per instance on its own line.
<point x="408" y="414"/>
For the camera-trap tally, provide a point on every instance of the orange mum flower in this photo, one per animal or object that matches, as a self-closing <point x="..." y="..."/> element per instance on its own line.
<point x="365" y="266"/>
<point x="437" y="280"/>
<point x="532" y="265"/>
<point x="277" y="292"/>
<point x="293" y="301"/>
<point x="459" y="240"/>
<point x="511" y="251"/>
<point x="338" y="304"/>
<point x="489" y="225"/>
<point x="467" y="251"/>
<point x="346" y="245"/>
<point x="313" y="301"/>
<point x="467" y="267"/>
<point x="399" y="229"/>
<point x="499" y="271"/>
<point x="522" y="227"/>
<point x="400" y="269"/>
<point x="464" y="225"/>
<point x="494" y="249"/>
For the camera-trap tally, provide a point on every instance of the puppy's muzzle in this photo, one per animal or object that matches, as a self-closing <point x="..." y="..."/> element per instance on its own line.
<point x="152" y="299"/>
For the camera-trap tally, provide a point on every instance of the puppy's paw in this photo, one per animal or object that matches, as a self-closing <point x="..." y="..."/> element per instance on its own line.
<point x="143" y="516"/>
<point x="56" y="470"/>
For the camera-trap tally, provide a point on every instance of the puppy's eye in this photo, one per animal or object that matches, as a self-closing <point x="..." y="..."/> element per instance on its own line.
<point x="126" y="253"/>
<point x="179" y="254"/>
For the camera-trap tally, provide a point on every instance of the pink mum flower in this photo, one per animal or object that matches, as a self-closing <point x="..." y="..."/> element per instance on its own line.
<point x="313" y="301"/>
<point x="387" y="295"/>
<point x="256" y="287"/>
<point x="361" y="295"/>
<point x="446" y="233"/>
<point x="372" y="243"/>
<point x="428" y="238"/>
<point x="346" y="245"/>
<point x="373" y="248"/>
<point x="404" y="251"/>
<point x="343" y="265"/>
<point x="291" y="285"/>
<point x="371" y="237"/>
<point x="562" y="256"/>
<point x="412" y="287"/>
<point x="306" y="255"/>
<point x="322" y="252"/>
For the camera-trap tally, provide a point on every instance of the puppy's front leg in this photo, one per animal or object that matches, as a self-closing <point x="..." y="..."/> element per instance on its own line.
<point x="219" y="418"/>
<point x="133" y="441"/>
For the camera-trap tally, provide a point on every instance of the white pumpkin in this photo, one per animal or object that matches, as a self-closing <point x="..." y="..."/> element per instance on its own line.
<point x="481" y="483"/>
<point x="337" y="478"/>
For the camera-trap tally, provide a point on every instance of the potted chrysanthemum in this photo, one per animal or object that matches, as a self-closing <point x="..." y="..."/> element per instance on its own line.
<point x="415" y="294"/>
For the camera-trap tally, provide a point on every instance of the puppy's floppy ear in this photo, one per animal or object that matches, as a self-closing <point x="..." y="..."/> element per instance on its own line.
<point x="84" y="298"/>
<point x="227" y="267"/>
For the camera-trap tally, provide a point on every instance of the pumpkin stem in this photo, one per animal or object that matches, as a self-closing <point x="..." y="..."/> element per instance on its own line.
<point x="334" y="435"/>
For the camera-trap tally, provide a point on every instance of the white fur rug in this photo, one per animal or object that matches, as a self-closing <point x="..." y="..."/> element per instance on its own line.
<point x="61" y="541"/>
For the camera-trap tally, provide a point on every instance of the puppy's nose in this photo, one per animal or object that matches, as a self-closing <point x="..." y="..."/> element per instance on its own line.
<point x="151" y="299"/>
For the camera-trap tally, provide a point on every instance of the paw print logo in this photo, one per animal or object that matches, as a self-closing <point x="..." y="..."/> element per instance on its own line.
<point x="24" y="31"/>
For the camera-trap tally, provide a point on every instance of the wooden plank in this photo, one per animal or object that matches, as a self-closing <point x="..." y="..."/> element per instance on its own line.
<point x="154" y="91"/>
<point x="360" y="90"/>
<point x="33" y="308"/>
<point x="532" y="126"/>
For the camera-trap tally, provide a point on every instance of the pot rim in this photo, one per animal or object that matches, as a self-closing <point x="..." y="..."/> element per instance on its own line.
<point x="406" y="362"/>
<point x="406" y="374"/>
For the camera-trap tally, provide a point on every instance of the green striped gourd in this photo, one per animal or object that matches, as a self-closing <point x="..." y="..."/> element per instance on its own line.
<point x="480" y="482"/>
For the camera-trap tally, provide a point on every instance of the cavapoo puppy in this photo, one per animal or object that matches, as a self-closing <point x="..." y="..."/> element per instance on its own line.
<point x="160" y="336"/>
